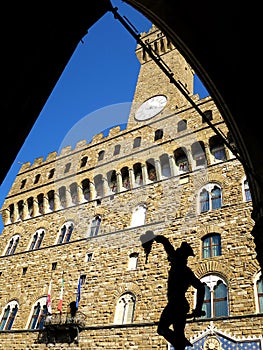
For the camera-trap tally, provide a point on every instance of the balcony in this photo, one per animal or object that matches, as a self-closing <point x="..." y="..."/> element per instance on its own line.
<point x="62" y="328"/>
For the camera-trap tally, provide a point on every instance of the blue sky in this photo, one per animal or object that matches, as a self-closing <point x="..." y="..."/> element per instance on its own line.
<point x="93" y="93"/>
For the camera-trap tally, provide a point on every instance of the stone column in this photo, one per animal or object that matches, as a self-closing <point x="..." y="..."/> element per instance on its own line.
<point x="80" y="194"/>
<point x="131" y="176"/>
<point x="119" y="181"/>
<point x="144" y="174"/>
<point x="172" y="166"/>
<point x="92" y="190"/>
<point x="158" y="169"/>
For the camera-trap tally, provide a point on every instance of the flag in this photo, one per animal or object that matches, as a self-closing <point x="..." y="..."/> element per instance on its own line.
<point x="78" y="293"/>
<point x="61" y="294"/>
<point x="49" y="309"/>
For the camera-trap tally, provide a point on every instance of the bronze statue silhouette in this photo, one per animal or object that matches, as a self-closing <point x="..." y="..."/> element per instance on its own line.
<point x="180" y="278"/>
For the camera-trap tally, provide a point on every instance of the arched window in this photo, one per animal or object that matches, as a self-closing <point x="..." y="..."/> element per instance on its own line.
<point x="40" y="202"/>
<point x="30" y="206"/>
<point x="12" y="245"/>
<point x="112" y="180"/>
<point x="37" y="239"/>
<point x="51" y="199"/>
<point x="8" y="316"/>
<point x="137" y="169"/>
<point x="137" y="142"/>
<point x="74" y="193"/>
<point x="38" y="314"/>
<point x="246" y="191"/>
<point x="101" y="155"/>
<point x="217" y="148"/>
<point x="158" y="135"/>
<point x="182" y="125"/>
<point x="62" y="196"/>
<point x="138" y="216"/>
<point x="85" y="184"/>
<point x="95" y="226"/>
<point x="133" y="259"/>
<point x="208" y="115"/>
<point x="65" y="232"/>
<point x="216" y="299"/>
<point x="165" y="166"/>
<point x="117" y="149"/>
<point x="181" y="160"/>
<point x="259" y="292"/>
<point x="210" y="198"/>
<point x="151" y="171"/>
<point x="124" y="313"/>
<point x="211" y="245"/>
<point x="198" y="152"/>
<point x="20" y="206"/>
<point x="83" y="161"/>
<point x="98" y="182"/>
<point x="125" y="178"/>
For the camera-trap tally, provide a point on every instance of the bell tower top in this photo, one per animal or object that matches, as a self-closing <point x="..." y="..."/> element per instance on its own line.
<point x="154" y="94"/>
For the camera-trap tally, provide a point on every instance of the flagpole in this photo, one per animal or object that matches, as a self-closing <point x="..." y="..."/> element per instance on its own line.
<point x="61" y="296"/>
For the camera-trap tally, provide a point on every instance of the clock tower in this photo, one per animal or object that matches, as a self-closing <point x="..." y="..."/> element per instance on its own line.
<point x="155" y="96"/>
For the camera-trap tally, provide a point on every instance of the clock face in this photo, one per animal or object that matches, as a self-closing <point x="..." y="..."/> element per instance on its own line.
<point x="151" y="107"/>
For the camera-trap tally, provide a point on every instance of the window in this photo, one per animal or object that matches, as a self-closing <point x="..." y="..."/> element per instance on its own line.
<point x="89" y="257"/>
<point x="117" y="149"/>
<point x="51" y="173"/>
<point x="95" y="226"/>
<point x="215" y="301"/>
<point x="138" y="216"/>
<point x="40" y="201"/>
<point x="38" y="314"/>
<point x="23" y="183"/>
<point x="112" y="180"/>
<point x="208" y="115"/>
<point x="8" y="315"/>
<point x="51" y="199"/>
<point x="124" y="313"/>
<point x="211" y="245"/>
<point x="210" y="198"/>
<point x="12" y="245"/>
<point x="182" y="125"/>
<point x="217" y="148"/>
<point x="62" y="196"/>
<point x="37" y="239"/>
<point x="74" y="193"/>
<point x="65" y="232"/>
<point x="54" y="266"/>
<point x="198" y="152"/>
<point x="125" y="178"/>
<point x="165" y="166"/>
<point x="30" y="207"/>
<point x="158" y="135"/>
<point x="24" y="271"/>
<point x="83" y="161"/>
<point x="259" y="292"/>
<point x="151" y="171"/>
<point x="181" y="160"/>
<point x="133" y="260"/>
<point x="82" y="279"/>
<point x="101" y="155"/>
<point x="37" y="179"/>
<point x="67" y="168"/>
<point x="246" y="191"/>
<point x="20" y="206"/>
<point x="137" y="142"/>
<point x="137" y="169"/>
<point x="98" y="182"/>
<point x="86" y="189"/>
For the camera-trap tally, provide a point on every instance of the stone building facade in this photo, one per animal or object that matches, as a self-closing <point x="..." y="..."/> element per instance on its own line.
<point x="78" y="216"/>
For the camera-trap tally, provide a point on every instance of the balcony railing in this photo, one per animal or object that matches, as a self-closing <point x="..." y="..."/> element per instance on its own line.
<point x="62" y="320"/>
